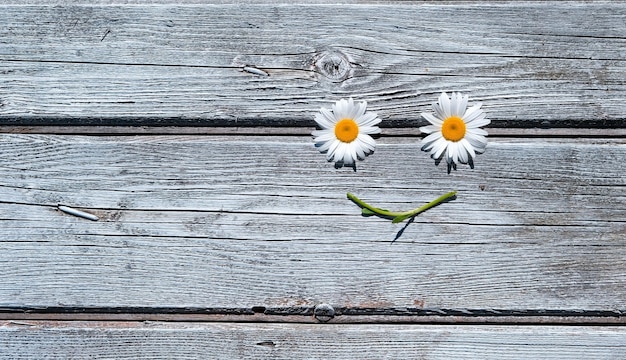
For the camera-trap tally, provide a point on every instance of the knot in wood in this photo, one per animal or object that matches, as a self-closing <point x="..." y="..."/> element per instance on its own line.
<point x="333" y="65"/>
<point x="324" y="312"/>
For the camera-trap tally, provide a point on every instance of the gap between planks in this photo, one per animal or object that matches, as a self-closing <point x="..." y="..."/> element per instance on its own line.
<point x="300" y="319"/>
<point x="292" y="131"/>
<point x="342" y="315"/>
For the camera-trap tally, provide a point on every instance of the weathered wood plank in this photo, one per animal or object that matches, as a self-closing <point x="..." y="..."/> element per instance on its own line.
<point x="548" y="64"/>
<point x="210" y="221"/>
<point x="134" y="340"/>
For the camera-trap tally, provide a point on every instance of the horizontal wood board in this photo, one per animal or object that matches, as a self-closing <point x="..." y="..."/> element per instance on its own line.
<point x="128" y="340"/>
<point x="228" y="221"/>
<point x="532" y="64"/>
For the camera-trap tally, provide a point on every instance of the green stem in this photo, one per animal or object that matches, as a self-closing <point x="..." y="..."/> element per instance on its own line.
<point x="398" y="216"/>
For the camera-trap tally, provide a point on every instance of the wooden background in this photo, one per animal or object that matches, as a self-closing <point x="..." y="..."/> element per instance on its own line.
<point x="185" y="127"/>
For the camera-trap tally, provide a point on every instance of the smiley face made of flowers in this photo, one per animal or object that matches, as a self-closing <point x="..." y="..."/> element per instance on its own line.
<point x="345" y="134"/>
<point x="454" y="133"/>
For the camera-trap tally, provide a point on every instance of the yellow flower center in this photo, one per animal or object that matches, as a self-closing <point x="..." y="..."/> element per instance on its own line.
<point x="453" y="128"/>
<point x="346" y="130"/>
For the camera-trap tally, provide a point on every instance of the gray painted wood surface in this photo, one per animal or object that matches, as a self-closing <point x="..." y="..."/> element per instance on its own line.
<point x="236" y="218"/>
<point x="548" y="64"/>
<point x="123" y="340"/>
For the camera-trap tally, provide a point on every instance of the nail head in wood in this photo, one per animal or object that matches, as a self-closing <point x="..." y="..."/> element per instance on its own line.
<point x="78" y="213"/>
<point x="255" y="71"/>
<point x="324" y="312"/>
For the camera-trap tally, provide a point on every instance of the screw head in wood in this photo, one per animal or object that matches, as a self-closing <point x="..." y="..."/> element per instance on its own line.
<point x="324" y="312"/>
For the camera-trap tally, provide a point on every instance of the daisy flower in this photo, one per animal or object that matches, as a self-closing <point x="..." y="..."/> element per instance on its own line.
<point x="455" y="131"/>
<point x="345" y="132"/>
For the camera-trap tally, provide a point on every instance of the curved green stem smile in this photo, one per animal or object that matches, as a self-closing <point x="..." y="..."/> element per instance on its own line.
<point x="396" y="217"/>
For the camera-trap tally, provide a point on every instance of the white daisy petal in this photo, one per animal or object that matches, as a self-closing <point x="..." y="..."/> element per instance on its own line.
<point x="360" y="109"/>
<point x="323" y="147"/>
<point x="439" y="113"/>
<point x="471" y="113"/>
<point x="326" y="134"/>
<point x="360" y="150"/>
<point x="475" y="116"/>
<point x="429" y="140"/>
<point x="330" y="116"/>
<point x="330" y="156"/>
<point x="477" y="131"/>
<point x="432" y="119"/>
<point x="323" y="122"/>
<point x="368" y="119"/>
<point x="353" y="109"/>
<point x="461" y="105"/>
<point x="367" y="141"/>
<point x="478" y="142"/>
<point x="452" y="154"/>
<point x="350" y="104"/>
<point x="369" y="130"/>
<point x="454" y="104"/>
<point x="439" y="147"/>
<point x="317" y="133"/>
<point x="340" y="152"/>
<point x="429" y="129"/>
<point x="462" y="152"/>
<point x="350" y="155"/>
<point x="339" y="109"/>
<point x="480" y="133"/>
<point x="444" y="103"/>
<point x="472" y="133"/>
<point x="481" y="121"/>
<point x="468" y="147"/>
<point x="457" y="153"/>
<point x="354" y="152"/>
<point x="324" y="137"/>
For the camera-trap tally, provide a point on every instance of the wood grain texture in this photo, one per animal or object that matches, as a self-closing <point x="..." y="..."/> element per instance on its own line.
<point x="227" y="221"/>
<point x="127" y="340"/>
<point x="532" y="64"/>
